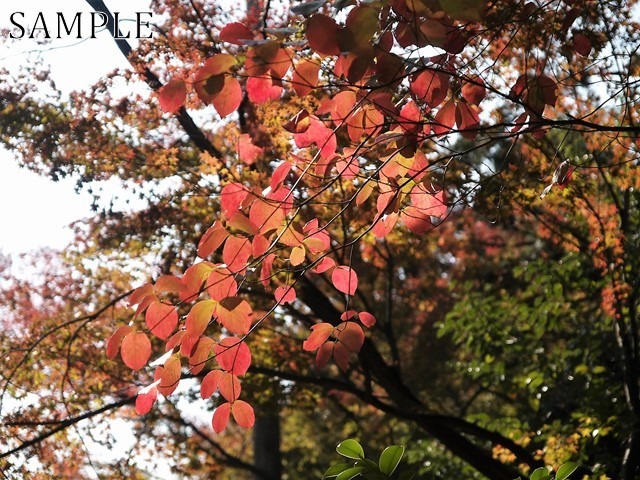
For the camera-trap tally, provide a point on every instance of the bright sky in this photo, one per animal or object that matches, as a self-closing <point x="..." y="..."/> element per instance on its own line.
<point x="35" y="211"/>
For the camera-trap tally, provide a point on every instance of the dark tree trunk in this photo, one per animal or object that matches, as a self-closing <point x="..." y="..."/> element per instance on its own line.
<point x="266" y="447"/>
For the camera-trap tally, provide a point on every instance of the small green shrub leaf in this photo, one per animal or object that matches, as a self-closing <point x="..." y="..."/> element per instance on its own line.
<point x="540" y="474"/>
<point x="390" y="459"/>
<point x="335" y="470"/>
<point x="565" y="470"/>
<point x="350" y="473"/>
<point x="350" y="448"/>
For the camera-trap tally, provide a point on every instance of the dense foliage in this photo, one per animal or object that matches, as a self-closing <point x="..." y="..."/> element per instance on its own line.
<point x="404" y="221"/>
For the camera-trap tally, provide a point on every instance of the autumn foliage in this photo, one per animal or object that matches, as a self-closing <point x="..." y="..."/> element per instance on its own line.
<point x="348" y="157"/>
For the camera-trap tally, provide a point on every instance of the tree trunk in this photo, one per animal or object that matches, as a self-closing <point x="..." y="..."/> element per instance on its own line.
<point x="266" y="447"/>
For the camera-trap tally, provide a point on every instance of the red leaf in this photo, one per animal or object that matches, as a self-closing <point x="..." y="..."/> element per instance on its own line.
<point x="145" y="401"/>
<point x="320" y="332"/>
<point x="267" y="215"/>
<point x="279" y="174"/>
<point x="215" y="236"/>
<point x="236" y="253"/>
<point x="229" y="386"/>
<point x="324" y="354"/>
<point x="221" y="417"/>
<point x="235" y="314"/>
<point x="221" y="284"/>
<point x="236" y="33"/>
<point x="473" y="91"/>
<point x="233" y="355"/>
<point x="263" y="89"/>
<point x="210" y="383"/>
<point x="367" y="319"/>
<point x="172" y="95"/>
<point x="141" y="292"/>
<point x="299" y="123"/>
<point x="305" y="77"/>
<point x="265" y="270"/>
<point x="383" y="224"/>
<point x="175" y="340"/>
<point x="231" y="197"/>
<point x="285" y="294"/>
<point x="199" y="317"/>
<point x="416" y="220"/>
<point x="322" y="34"/>
<point x="445" y="118"/>
<point x="431" y="87"/>
<point x="113" y="344"/>
<point x="468" y="120"/>
<point x="247" y="151"/>
<point x="432" y="203"/>
<point x="170" y="376"/>
<point x="341" y="355"/>
<point x="350" y="334"/>
<point x="201" y="354"/>
<point x="582" y="44"/>
<point x="136" y="350"/>
<point x="320" y="135"/>
<point x="326" y="263"/>
<point x="162" y="319"/>
<point x="243" y="414"/>
<point x="229" y="98"/>
<point x="259" y="246"/>
<point x="345" y="280"/>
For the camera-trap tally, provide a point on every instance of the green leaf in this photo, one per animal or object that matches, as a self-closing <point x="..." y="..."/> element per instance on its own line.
<point x="335" y="470"/>
<point x="390" y="459"/>
<point x="350" y="448"/>
<point x="350" y="473"/>
<point x="540" y="474"/>
<point x="565" y="470"/>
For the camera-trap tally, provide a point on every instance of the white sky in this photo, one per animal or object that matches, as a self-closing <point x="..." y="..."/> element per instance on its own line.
<point x="35" y="211"/>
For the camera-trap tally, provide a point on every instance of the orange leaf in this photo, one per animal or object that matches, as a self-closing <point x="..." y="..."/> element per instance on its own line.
<point x="215" y="236"/>
<point x="320" y="332"/>
<point x="266" y="215"/>
<point x="235" y="314"/>
<point x="135" y="350"/>
<point x="201" y="354"/>
<point x="221" y="417"/>
<point x="229" y="386"/>
<point x="233" y="355"/>
<point x="162" y="319"/>
<point x="345" y="280"/>
<point x="113" y="344"/>
<point x="305" y="77"/>
<point x="170" y="376"/>
<point x="199" y="317"/>
<point x="172" y="95"/>
<point x="228" y="99"/>
<point x="298" y="255"/>
<point x="243" y="414"/>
